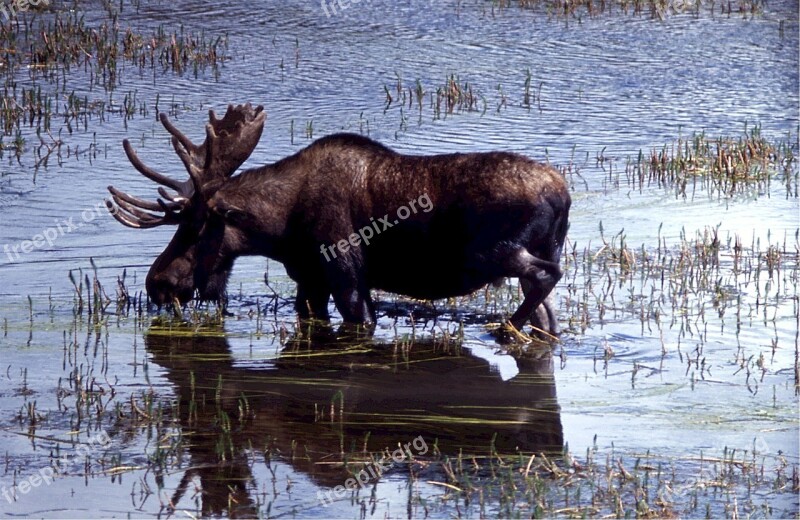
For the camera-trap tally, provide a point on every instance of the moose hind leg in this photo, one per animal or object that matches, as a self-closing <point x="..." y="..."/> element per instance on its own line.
<point x="543" y="317"/>
<point x="538" y="278"/>
<point x="346" y="278"/>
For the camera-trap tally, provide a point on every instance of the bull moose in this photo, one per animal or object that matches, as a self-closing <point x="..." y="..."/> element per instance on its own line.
<point x="487" y="216"/>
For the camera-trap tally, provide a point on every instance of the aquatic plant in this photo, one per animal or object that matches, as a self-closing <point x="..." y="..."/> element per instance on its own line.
<point x="51" y="55"/>
<point x="723" y="166"/>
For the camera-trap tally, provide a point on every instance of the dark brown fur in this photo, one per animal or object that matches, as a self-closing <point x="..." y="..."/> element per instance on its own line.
<point x="492" y="215"/>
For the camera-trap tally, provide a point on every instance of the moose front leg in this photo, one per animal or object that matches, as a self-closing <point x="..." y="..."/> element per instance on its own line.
<point x="355" y="305"/>
<point x="348" y="284"/>
<point x="312" y="302"/>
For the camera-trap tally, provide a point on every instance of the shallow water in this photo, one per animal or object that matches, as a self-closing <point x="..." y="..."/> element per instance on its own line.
<point x="613" y="84"/>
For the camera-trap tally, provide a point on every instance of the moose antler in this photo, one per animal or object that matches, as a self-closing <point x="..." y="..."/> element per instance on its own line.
<point x="229" y="142"/>
<point x="135" y="212"/>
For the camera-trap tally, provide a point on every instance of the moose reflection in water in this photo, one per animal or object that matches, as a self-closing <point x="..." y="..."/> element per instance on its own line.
<point x="317" y="405"/>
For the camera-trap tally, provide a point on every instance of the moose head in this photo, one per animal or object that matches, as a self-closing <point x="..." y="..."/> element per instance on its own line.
<point x="200" y="255"/>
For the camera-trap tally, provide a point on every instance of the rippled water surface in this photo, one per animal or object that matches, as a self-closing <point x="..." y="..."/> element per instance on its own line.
<point x="697" y="364"/>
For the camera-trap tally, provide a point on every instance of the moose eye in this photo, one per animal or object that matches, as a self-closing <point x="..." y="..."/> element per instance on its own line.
<point x="231" y="214"/>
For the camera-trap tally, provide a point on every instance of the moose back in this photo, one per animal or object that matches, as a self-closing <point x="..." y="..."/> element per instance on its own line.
<point x="440" y="225"/>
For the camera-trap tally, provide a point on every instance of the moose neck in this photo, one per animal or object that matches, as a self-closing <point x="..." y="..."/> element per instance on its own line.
<point x="263" y="200"/>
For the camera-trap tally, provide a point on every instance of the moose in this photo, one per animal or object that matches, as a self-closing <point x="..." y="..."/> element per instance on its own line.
<point x="488" y="216"/>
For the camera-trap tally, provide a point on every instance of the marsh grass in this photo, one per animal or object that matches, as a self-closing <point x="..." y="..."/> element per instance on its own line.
<point x="606" y="483"/>
<point x="656" y="9"/>
<point x="458" y="96"/>
<point x="681" y="281"/>
<point x="718" y="166"/>
<point x="675" y="291"/>
<point x="50" y="57"/>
